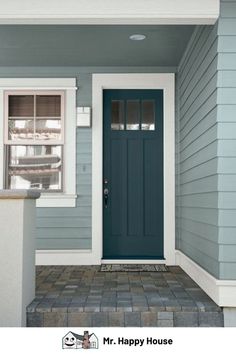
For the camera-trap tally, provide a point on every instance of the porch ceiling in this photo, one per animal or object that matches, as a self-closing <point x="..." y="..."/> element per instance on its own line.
<point x="96" y="45"/>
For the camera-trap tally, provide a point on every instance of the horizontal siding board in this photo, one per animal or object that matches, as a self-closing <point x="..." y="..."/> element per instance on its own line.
<point x="203" y="33"/>
<point x="212" y="265"/>
<point x="228" y="10"/>
<point x="226" y="130"/>
<point x="190" y="121"/>
<point x="226" y="113"/>
<point x="226" y="95"/>
<point x="201" y="200"/>
<point x="204" y="185"/>
<point x="227" y="235"/>
<point x="227" y="26"/>
<point x="84" y="135"/>
<point x="84" y="148"/>
<point x="227" y="44"/>
<point x="228" y="270"/>
<point x="226" y="61"/>
<point x="200" y="99"/>
<point x="66" y="222"/>
<point x="227" y="218"/>
<point x="58" y="232"/>
<point x="227" y="165"/>
<point x="198" y="126"/>
<point x="199" y="144"/>
<point x="84" y="189"/>
<point x="227" y="183"/>
<point x="201" y="244"/>
<point x="80" y="211"/>
<point x="82" y="168"/>
<point x="227" y="200"/>
<point x="63" y="244"/>
<point x="227" y="148"/>
<point x="226" y="78"/>
<point x="209" y="216"/>
<point x="196" y="36"/>
<point x="83" y="158"/>
<point x="199" y="172"/>
<point x="84" y="200"/>
<point x="227" y="253"/>
<point x="198" y="159"/>
<point x="200" y="78"/>
<point x="205" y="231"/>
<point x="84" y="179"/>
<point x="198" y="54"/>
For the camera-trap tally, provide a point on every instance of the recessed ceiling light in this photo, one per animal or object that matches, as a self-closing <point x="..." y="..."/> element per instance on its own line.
<point x="137" y="37"/>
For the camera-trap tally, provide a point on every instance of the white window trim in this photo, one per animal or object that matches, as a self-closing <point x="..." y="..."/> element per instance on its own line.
<point x="68" y="197"/>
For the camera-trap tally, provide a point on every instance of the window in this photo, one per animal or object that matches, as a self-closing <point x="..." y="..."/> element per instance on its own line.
<point x="133" y="115"/>
<point x="38" y="146"/>
<point x="34" y="131"/>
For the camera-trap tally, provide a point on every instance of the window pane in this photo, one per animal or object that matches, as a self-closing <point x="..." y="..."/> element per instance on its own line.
<point x="117" y="115"/>
<point x="19" y="129"/>
<point x="48" y="106"/>
<point x="132" y="115"/>
<point x="37" y="167"/>
<point x="21" y="106"/>
<point x="148" y="115"/>
<point x="47" y="129"/>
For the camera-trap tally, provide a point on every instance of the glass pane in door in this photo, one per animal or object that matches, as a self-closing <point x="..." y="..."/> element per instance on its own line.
<point x="132" y="114"/>
<point x="148" y="115"/>
<point x="117" y="115"/>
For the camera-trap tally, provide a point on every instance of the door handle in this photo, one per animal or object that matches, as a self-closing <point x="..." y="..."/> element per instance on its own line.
<point x="106" y="194"/>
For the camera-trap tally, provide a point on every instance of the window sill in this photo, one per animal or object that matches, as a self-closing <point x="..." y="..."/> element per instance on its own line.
<point x="56" y="201"/>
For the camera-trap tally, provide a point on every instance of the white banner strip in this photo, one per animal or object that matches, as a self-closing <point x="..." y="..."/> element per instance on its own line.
<point x="115" y="340"/>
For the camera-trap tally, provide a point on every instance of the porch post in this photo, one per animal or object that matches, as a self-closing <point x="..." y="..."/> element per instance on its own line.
<point x="17" y="255"/>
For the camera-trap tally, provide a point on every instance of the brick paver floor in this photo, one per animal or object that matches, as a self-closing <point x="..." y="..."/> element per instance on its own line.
<point x="84" y="296"/>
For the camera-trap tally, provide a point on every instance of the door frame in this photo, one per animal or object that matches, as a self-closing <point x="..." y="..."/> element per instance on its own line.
<point x="165" y="82"/>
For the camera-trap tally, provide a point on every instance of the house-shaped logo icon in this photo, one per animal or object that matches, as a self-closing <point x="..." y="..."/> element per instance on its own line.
<point x="80" y="341"/>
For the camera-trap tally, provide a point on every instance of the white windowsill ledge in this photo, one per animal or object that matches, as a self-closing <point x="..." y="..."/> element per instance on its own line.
<point x="56" y="201"/>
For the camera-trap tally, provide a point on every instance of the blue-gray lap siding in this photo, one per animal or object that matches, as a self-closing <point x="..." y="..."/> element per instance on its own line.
<point x="70" y="228"/>
<point x="206" y="147"/>
<point x="196" y="149"/>
<point x="226" y="135"/>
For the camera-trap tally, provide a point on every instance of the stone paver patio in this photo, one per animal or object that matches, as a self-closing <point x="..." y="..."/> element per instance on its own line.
<point x="83" y="296"/>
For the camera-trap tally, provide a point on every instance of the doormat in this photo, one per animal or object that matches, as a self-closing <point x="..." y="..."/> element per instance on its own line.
<point x="134" y="268"/>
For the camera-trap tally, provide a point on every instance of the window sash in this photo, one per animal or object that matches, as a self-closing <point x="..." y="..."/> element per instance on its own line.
<point x="34" y="141"/>
<point x="34" y="118"/>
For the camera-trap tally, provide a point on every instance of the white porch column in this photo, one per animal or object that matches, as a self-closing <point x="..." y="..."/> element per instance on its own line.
<point x="17" y="255"/>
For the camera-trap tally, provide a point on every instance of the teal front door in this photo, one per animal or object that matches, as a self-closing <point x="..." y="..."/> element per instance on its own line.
<point x="133" y="174"/>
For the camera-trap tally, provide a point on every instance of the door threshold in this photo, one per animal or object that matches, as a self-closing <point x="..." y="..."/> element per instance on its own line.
<point x="133" y="261"/>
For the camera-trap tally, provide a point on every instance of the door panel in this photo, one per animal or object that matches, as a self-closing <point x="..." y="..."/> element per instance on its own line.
<point x="133" y="174"/>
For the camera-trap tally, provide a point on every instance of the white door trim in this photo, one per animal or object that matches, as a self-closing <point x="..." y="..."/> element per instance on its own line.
<point x="133" y="81"/>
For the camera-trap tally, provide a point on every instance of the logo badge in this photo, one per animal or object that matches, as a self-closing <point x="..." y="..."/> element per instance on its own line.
<point x="80" y="341"/>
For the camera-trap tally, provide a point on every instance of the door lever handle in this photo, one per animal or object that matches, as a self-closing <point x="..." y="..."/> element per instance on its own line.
<point x="106" y="194"/>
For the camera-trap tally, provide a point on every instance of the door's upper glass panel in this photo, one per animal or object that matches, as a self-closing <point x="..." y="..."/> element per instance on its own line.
<point x="148" y="115"/>
<point x="117" y="115"/>
<point x="132" y="115"/>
